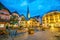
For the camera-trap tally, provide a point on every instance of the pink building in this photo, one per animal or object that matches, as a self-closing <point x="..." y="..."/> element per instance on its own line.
<point x="4" y="14"/>
<point x="4" y="17"/>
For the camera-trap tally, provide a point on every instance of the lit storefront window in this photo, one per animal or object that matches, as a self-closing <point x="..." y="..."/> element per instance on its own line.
<point x="1" y="25"/>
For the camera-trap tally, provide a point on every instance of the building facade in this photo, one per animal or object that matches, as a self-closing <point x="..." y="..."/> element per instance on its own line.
<point x="4" y="17"/>
<point x="51" y="19"/>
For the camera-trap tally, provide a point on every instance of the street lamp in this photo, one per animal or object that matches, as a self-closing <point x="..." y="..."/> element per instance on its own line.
<point x="52" y="28"/>
<point x="28" y="22"/>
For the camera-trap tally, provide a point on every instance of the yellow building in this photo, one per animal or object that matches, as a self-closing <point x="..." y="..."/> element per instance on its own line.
<point x="33" y="23"/>
<point x="51" y="19"/>
<point x="22" y="21"/>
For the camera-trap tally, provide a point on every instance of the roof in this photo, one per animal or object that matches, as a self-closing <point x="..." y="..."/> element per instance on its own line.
<point x="3" y="7"/>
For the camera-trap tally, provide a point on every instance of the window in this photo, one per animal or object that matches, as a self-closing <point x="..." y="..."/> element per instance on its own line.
<point x="1" y="25"/>
<point x="2" y="17"/>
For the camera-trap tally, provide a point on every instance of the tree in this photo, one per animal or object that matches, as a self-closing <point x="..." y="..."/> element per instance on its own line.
<point x="13" y="19"/>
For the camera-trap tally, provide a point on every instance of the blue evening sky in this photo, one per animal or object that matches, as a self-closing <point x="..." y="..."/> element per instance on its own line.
<point x="36" y="7"/>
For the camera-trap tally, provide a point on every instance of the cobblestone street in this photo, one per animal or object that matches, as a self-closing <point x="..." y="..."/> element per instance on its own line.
<point x="39" y="35"/>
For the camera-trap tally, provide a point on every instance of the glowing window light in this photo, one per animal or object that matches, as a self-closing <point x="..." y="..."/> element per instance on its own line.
<point x="52" y="28"/>
<point x="28" y="22"/>
<point x="1" y="25"/>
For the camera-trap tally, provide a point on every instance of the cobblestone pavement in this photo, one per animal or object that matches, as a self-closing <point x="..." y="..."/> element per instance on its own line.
<point x="40" y="35"/>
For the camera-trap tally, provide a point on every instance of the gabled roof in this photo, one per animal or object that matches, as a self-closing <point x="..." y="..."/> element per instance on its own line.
<point x="37" y="16"/>
<point x="16" y="12"/>
<point x="3" y="7"/>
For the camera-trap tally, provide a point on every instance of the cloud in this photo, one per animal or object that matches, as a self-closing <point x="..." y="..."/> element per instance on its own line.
<point x="40" y="7"/>
<point x="24" y="3"/>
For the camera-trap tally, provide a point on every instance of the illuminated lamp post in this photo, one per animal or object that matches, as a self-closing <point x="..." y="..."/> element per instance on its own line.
<point x="52" y="27"/>
<point x="28" y="23"/>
